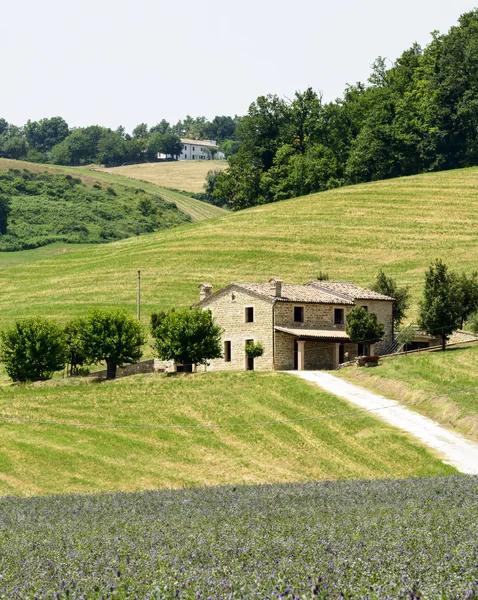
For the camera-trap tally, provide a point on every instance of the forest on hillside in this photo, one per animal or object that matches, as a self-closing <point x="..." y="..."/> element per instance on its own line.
<point x="417" y="114"/>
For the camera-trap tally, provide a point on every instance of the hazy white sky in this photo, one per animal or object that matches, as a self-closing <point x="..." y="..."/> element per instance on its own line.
<point x="113" y="62"/>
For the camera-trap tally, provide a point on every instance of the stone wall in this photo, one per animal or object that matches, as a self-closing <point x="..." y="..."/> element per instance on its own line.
<point x="152" y="365"/>
<point x="229" y="311"/>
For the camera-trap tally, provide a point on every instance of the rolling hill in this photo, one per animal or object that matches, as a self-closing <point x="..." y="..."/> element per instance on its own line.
<point x="188" y="175"/>
<point x="40" y="454"/>
<point x="197" y="210"/>
<point x="399" y="225"/>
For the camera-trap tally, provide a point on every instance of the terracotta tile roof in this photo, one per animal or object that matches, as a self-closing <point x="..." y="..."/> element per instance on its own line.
<point x="350" y="290"/>
<point x="294" y="293"/>
<point x="205" y="143"/>
<point x="319" y="333"/>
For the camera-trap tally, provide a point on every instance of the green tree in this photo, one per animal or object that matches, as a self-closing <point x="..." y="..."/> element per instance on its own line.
<point x="44" y="134"/>
<point x="362" y="327"/>
<point x="33" y="349"/>
<point x="112" y="336"/>
<point x="172" y="145"/>
<point x="186" y="336"/>
<point x="441" y="306"/>
<point x="16" y="146"/>
<point x="4" y="213"/>
<point x="162" y="127"/>
<point x="469" y="291"/>
<point x="401" y="295"/>
<point x="141" y="131"/>
<point x="75" y="344"/>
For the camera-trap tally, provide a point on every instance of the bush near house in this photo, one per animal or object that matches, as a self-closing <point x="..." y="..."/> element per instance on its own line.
<point x="186" y="336"/>
<point x="33" y="349"/>
<point x="362" y="326"/>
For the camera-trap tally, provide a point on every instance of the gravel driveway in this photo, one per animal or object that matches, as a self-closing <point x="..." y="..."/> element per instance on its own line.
<point x="454" y="448"/>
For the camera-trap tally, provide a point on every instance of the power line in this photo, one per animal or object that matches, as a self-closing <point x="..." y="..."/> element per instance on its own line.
<point x="232" y="425"/>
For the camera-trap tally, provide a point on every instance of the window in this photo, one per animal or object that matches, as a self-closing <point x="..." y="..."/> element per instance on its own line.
<point x="365" y="308"/>
<point x="194" y="148"/>
<point x="227" y="351"/>
<point x="338" y="316"/>
<point x="249" y="314"/>
<point x="299" y="314"/>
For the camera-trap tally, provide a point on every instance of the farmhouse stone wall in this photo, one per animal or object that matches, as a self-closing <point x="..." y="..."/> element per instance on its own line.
<point x="229" y="311"/>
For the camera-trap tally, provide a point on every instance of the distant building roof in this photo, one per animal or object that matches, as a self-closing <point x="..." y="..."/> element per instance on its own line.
<point x="206" y="143"/>
<point x="349" y="290"/>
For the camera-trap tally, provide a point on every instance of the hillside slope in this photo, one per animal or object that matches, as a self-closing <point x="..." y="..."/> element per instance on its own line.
<point x="188" y="175"/>
<point x="401" y="225"/>
<point x="197" y="210"/>
<point x="419" y="379"/>
<point x="46" y="458"/>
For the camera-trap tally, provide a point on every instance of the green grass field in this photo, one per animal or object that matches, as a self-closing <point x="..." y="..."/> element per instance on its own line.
<point x="196" y="209"/>
<point x="417" y="377"/>
<point x="46" y="459"/>
<point x="189" y="175"/>
<point x="400" y="225"/>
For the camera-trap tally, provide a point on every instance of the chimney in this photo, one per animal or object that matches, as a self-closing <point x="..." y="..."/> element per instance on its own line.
<point x="205" y="290"/>
<point x="276" y="285"/>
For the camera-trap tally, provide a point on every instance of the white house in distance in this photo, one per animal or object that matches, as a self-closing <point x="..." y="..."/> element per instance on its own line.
<point x="199" y="150"/>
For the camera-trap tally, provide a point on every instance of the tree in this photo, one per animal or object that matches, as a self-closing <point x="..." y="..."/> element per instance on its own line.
<point x="4" y="213"/>
<point x="75" y="343"/>
<point x="16" y="146"/>
<point x="186" y="336"/>
<point x="362" y="327"/>
<point x="43" y="135"/>
<point x="401" y="295"/>
<point x="441" y="307"/>
<point x="469" y="290"/>
<point x="33" y="349"/>
<point x="112" y="336"/>
<point x="141" y="131"/>
<point x="172" y="145"/>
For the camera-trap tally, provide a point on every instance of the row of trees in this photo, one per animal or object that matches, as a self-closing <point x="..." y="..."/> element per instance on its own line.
<point x="419" y="114"/>
<point x="52" y="140"/>
<point x="34" y="348"/>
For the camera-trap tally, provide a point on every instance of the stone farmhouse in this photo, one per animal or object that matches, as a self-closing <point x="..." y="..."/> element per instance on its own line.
<point x="300" y="326"/>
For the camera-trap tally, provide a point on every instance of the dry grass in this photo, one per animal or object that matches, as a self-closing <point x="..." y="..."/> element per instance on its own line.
<point x="399" y="225"/>
<point x="39" y="459"/>
<point x="188" y="175"/>
<point x="417" y="377"/>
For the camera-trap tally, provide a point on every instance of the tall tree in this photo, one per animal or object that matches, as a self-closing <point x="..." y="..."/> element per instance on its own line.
<point x="401" y="295"/>
<point x="441" y="306"/>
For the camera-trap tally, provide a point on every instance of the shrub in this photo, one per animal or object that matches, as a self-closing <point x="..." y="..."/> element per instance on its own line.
<point x="75" y="343"/>
<point x="33" y="349"/>
<point x="254" y="350"/>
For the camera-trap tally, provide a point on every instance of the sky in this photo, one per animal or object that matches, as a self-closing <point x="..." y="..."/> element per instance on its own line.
<point x="125" y="62"/>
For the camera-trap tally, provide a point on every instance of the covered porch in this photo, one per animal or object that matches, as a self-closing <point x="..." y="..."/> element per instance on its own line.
<point x="308" y="348"/>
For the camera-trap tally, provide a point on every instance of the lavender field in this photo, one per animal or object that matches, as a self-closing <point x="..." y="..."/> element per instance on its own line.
<point x="415" y="538"/>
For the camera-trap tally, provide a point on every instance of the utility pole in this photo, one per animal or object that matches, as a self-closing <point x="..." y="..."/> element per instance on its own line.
<point x="139" y="295"/>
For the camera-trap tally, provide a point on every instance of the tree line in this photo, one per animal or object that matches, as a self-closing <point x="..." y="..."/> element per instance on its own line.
<point x="418" y="114"/>
<point x="52" y="140"/>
